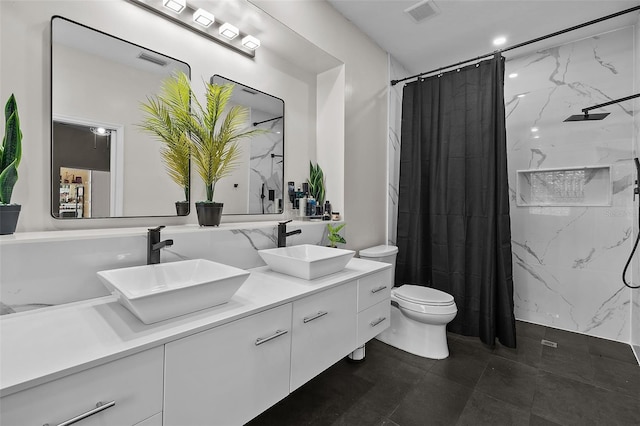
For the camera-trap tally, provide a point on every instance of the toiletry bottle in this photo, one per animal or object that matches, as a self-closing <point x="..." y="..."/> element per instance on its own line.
<point x="304" y="201"/>
<point x="327" y="211"/>
<point x="311" y="206"/>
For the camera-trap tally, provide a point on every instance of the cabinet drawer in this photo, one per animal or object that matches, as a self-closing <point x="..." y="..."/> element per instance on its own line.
<point x="324" y="331"/>
<point x="373" y="321"/>
<point x="134" y="383"/>
<point x="374" y="288"/>
<point x="231" y="373"/>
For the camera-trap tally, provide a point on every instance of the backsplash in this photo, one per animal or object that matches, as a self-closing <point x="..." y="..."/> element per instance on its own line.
<point x="52" y="268"/>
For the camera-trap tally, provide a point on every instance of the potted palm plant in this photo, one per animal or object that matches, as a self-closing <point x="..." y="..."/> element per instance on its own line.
<point x="213" y="131"/>
<point x="10" y="155"/>
<point x="163" y="118"/>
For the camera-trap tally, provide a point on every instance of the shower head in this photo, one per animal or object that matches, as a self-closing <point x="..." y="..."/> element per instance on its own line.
<point x="587" y="117"/>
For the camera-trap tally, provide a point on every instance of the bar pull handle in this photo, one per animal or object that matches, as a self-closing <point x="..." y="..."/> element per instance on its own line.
<point x="100" y="406"/>
<point x="278" y="333"/>
<point x="376" y="290"/>
<point x="313" y="317"/>
<point x="378" y="321"/>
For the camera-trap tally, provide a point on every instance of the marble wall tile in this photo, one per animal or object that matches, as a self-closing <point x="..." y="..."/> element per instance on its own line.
<point x="53" y="271"/>
<point x="396" y="71"/>
<point x="568" y="260"/>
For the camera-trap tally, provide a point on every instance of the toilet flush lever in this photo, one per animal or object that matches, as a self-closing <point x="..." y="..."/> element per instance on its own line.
<point x="379" y="289"/>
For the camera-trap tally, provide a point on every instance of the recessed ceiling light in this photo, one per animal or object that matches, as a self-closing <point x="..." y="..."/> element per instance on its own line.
<point x="536" y="137"/>
<point x="175" y="5"/>
<point x="513" y="75"/>
<point x="499" y="41"/>
<point x="534" y="129"/>
<point x="250" y="42"/>
<point x="228" y="31"/>
<point x="203" y="18"/>
<point x="521" y="95"/>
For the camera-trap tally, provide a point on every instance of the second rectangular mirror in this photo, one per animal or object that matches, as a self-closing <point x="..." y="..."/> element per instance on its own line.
<point x="256" y="186"/>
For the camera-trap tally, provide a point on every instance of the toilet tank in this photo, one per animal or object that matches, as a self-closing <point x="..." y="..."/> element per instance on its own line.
<point x="382" y="253"/>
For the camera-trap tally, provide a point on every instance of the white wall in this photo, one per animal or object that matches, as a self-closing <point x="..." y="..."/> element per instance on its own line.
<point x="25" y="68"/>
<point x="367" y="81"/>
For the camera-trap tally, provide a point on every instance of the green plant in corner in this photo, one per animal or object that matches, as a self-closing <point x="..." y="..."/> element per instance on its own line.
<point x="316" y="183"/>
<point x="334" y="236"/>
<point x="10" y="151"/>
<point x="163" y="118"/>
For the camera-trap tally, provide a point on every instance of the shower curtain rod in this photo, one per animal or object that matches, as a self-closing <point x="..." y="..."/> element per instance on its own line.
<point x="535" y="40"/>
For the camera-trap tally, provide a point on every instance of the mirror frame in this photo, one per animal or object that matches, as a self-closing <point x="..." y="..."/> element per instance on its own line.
<point x="52" y="120"/>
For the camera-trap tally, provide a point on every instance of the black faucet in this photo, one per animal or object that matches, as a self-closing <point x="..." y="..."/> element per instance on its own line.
<point x="283" y="234"/>
<point x="154" y="245"/>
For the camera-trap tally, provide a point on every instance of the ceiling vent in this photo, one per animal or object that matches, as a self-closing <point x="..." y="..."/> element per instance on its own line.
<point x="422" y="11"/>
<point x="154" y="60"/>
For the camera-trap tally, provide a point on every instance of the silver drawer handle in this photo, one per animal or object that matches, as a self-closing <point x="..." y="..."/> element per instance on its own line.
<point x="278" y="333"/>
<point x="312" y="317"/>
<point x="100" y="406"/>
<point x="378" y="321"/>
<point x="376" y="290"/>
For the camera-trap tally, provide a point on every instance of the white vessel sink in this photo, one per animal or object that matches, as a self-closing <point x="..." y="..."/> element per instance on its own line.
<point x="157" y="292"/>
<point x="306" y="261"/>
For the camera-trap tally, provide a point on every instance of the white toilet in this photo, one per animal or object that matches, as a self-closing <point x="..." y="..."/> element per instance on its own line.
<point x="419" y="315"/>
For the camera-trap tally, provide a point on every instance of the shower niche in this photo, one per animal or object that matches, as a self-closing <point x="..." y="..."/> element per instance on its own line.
<point x="568" y="186"/>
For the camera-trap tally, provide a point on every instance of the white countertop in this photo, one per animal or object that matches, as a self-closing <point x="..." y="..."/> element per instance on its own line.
<point x="46" y="344"/>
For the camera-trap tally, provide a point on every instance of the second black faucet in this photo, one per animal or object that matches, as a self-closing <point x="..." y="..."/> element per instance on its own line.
<point x="283" y="234"/>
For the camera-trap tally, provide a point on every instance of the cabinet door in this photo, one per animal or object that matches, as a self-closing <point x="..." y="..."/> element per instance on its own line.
<point x="134" y="383"/>
<point x="374" y="288"/>
<point x="229" y="374"/>
<point x="372" y="321"/>
<point x="324" y="331"/>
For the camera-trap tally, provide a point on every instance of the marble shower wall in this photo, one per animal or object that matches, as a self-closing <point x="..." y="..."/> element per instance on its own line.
<point x="396" y="71"/>
<point x="53" y="268"/>
<point x="567" y="260"/>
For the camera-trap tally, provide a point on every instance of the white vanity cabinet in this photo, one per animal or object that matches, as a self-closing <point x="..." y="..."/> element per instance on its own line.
<point x="324" y="330"/>
<point x="229" y="374"/>
<point x="374" y="305"/>
<point x="134" y="383"/>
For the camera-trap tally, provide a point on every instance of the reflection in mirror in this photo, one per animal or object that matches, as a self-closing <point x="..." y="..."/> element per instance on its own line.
<point x="102" y="163"/>
<point x="256" y="185"/>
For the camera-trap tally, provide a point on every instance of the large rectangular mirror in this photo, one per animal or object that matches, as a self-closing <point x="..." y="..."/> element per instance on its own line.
<point x="256" y="185"/>
<point x="102" y="164"/>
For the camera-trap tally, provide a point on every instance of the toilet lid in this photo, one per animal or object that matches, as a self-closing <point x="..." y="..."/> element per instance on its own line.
<point x="423" y="295"/>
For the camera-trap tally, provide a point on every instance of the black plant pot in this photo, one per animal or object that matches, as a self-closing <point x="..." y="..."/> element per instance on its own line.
<point x="182" y="208"/>
<point x="209" y="213"/>
<point x="9" y="218"/>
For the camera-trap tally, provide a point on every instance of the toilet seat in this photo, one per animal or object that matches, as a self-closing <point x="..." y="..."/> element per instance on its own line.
<point x="423" y="295"/>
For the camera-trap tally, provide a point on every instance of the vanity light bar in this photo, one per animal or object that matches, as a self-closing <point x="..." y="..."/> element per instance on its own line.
<point x="202" y="22"/>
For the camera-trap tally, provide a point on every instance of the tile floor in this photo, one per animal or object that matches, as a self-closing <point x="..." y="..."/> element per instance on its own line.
<point x="584" y="381"/>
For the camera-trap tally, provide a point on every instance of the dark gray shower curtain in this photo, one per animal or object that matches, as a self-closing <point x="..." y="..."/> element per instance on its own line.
<point x="453" y="207"/>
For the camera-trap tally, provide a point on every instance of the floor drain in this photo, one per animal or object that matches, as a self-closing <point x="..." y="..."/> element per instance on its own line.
<point x="549" y="343"/>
